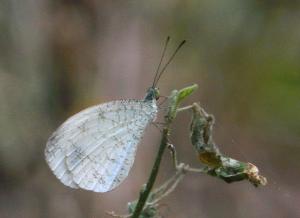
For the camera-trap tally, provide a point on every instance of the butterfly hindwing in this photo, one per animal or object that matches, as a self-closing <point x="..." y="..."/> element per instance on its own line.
<point x="95" y="148"/>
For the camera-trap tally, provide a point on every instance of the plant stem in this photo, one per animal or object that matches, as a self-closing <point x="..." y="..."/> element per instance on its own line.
<point x="175" y="99"/>
<point x="145" y="193"/>
<point x="185" y="108"/>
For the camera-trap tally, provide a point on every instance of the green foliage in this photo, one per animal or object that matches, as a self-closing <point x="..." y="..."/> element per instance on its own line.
<point x="177" y="97"/>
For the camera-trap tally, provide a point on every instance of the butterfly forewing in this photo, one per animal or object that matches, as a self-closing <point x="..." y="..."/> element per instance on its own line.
<point x="95" y="149"/>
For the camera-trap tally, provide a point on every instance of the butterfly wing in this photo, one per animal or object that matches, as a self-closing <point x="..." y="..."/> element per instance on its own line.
<point x="95" y="148"/>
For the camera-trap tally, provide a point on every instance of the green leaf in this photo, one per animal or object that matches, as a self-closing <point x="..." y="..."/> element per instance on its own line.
<point x="177" y="97"/>
<point x="185" y="92"/>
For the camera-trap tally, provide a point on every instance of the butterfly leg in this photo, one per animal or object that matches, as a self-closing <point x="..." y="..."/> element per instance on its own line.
<point x="165" y="98"/>
<point x="159" y="125"/>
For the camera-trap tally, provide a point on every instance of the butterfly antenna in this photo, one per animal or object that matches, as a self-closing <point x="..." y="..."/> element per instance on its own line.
<point x="161" y="59"/>
<point x="169" y="61"/>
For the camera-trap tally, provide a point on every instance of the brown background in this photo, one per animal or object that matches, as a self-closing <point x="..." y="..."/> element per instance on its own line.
<point x="58" y="57"/>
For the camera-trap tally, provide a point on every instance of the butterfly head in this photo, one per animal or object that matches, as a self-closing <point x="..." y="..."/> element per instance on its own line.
<point x="152" y="93"/>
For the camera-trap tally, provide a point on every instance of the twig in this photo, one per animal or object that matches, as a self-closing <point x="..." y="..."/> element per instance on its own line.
<point x="185" y="108"/>
<point x="145" y="193"/>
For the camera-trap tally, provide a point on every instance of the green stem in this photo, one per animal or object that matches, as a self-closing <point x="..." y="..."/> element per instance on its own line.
<point x="145" y="193"/>
<point x="175" y="99"/>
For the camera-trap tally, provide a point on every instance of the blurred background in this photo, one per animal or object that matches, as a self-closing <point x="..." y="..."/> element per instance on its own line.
<point x="59" y="57"/>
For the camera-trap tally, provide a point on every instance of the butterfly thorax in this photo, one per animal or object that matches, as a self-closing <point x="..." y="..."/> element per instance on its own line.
<point x="152" y="93"/>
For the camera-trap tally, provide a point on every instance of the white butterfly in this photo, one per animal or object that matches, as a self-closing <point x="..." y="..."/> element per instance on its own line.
<point x="95" y="148"/>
